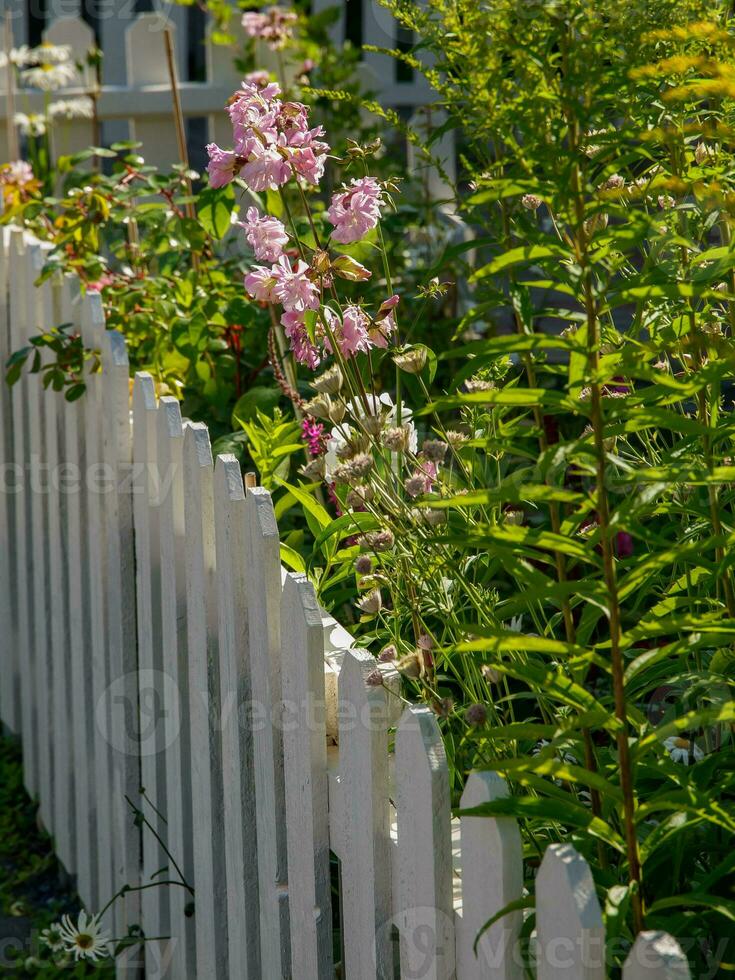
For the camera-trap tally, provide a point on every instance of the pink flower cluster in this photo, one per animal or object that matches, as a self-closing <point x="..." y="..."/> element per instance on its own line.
<point x="355" y="210"/>
<point x="274" y="25"/>
<point x="266" y="235"/>
<point x="272" y="141"/>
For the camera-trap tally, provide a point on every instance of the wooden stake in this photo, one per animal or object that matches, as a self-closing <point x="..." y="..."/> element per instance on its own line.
<point x="251" y="480"/>
<point x="12" y="135"/>
<point x="179" y="122"/>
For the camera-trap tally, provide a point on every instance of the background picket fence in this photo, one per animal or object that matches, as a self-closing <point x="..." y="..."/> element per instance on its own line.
<point x="135" y="98"/>
<point x="149" y="638"/>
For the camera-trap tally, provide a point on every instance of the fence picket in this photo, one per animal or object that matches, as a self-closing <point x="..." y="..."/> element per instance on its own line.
<point x="305" y="772"/>
<point x="95" y="478"/>
<point x="235" y="703"/>
<point x="38" y="538"/>
<point x="204" y="708"/>
<point x="366" y="861"/>
<point x="264" y="621"/>
<point x="570" y="940"/>
<point x="656" y="956"/>
<point x="121" y="625"/>
<point x="151" y="721"/>
<point x="492" y="876"/>
<point x="10" y="689"/>
<point x="18" y="269"/>
<point x="425" y="903"/>
<point x="75" y="539"/>
<point x="168" y="470"/>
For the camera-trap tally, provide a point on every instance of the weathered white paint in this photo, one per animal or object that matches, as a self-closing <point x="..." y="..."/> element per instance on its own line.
<point x="168" y="472"/>
<point x="204" y="694"/>
<point x="366" y="858"/>
<point x="305" y="771"/>
<point x="240" y="839"/>
<point x="10" y="688"/>
<point x="570" y="936"/>
<point x="656" y="956"/>
<point x="425" y="906"/>
<point x="492" y="877"/>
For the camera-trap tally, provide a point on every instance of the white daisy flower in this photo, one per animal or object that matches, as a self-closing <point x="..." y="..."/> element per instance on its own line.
<point x="32" y="124"/>
<point x="80" y="108"/>
<point x="681" y="749"/>
<point x="49" y="54"/>
<point x="52" y="938"/>
<point x="49" y="77"/>
<point x="85" y="940"/>
<point x="20" y="57"/>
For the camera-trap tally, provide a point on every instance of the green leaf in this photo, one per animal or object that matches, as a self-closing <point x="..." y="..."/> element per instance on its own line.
<point x="292" y="558"/>
<point x="214" y="208"/>
<point x="518" y="256"/>
<point x="258" y="399"/>
<point x="307" y="501"/>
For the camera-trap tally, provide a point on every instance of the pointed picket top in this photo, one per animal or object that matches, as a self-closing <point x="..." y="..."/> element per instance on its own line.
<point x="570" y="936"/>
<point x="79" y="36"/>
<point x="144" y="49"/>
<point x="240" y="839"/>
<point x="93" y="320"/>
<point x="656" y="956"/>
<point x="364" y="793"/>
<point x="144" y="394"/>
<point x="305" y="772"/>
<point x="264" y="618"/>
<point x="492" y="877"/>
<point x="425" y="900"/>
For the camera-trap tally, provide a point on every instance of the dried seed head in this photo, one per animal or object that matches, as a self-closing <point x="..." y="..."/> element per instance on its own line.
<point x="455" y="438"/>
<point x="704" y="153"/>
<point x="361" y="464"/>
<point x="614" y="183"/>
<point x="374" y="678"/>
<point x="330" y="382"/>
<point x="490" y="674"/>
<point x="315" y="469"/>
<point x="363" y="564"/>
<point x="319" y="407"/>
<point x="380" y="540"/>
<point x="476" y="715"/>
<point x="479" y="384"/>
<point x="336" y="411"/>
<point x="372" y="424"/>
<point x="415" y="485"/>
<point x="435" y="517"/>
<point x="514" y="516"/>
<point x="397" y="439"/>
<point x="425" y="642"/>
<point x="371" y="603"/>
<point x="410" y="665"/>
<point x="412" y="360"/>
<point x="598" y="222"/>
<point x="388" y="654"/>
<point x="359" y="497"/>
<point x="442" y="707"/>
<point x="435" y="450"/>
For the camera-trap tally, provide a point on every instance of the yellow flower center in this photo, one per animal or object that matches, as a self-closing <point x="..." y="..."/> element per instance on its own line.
<point x="84" y="940"/>
<point x="681" y="743"/>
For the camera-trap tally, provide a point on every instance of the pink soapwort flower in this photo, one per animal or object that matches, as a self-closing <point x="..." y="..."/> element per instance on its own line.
<point x="262" y="80"/>
<point x="354" y="337"/>
<point x="293" y="289"/>
<point x="355" y="210"/>
<point x="303" y="349"/>
<point x="273" y="25"/>
<point x="266" y="235"/>
<point x="259" y="283"/>
<point x="313" y="435"/>
<point x="223" y="165"/>
<point x="265" y="169"/>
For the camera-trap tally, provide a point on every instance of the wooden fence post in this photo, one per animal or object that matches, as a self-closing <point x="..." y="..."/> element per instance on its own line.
<point x="492" y="876"/>
<point x="204" y="707"/>
<point x="169" y="473"/>
<point x="305" y="771"/>
<point x="264" y="621"/>
<point x="425" y="904"/>
<point x="366" y="858"/>
<point x="570" y="936"/>
<point x="656" y="956"/>
<point x="240" y="838"/>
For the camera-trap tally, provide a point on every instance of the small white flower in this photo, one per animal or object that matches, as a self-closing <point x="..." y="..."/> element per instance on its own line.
<point x="681" y="749"/>
<point x="49" y="54"/>
<point x="20" y="57"/>
<point x="516" y="624"/>
<point x="49" y="77"/>
<point x="52" y="938"/>
<point x="80" y="108"/>
<point x="33" y="124"/>
<point x="85" y="940"/>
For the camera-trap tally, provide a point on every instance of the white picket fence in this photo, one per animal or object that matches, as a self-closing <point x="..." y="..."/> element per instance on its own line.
<point x="149" y="637"/>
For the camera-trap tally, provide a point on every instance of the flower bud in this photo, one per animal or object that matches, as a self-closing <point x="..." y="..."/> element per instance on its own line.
<point x="336" y="412"/>
<point x="598" y="222"/>
<point x="397" y="439"/>
<point x="357" y="498"/>
<point x="442" y="707"/>
<point x="363" y="564"/>
<point x="388" y="654"/>
<point x="435" y="517"/>
<point x="315" y="469"/>
<point x="410" y="665"/>
<point x="490" y="674"/>
<point x="380" y="540"/>
<point x="703" y="153"/>
<point x="435" y="450"/>
<point x="412" y="360"/>
<point x="531" y="202"/>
